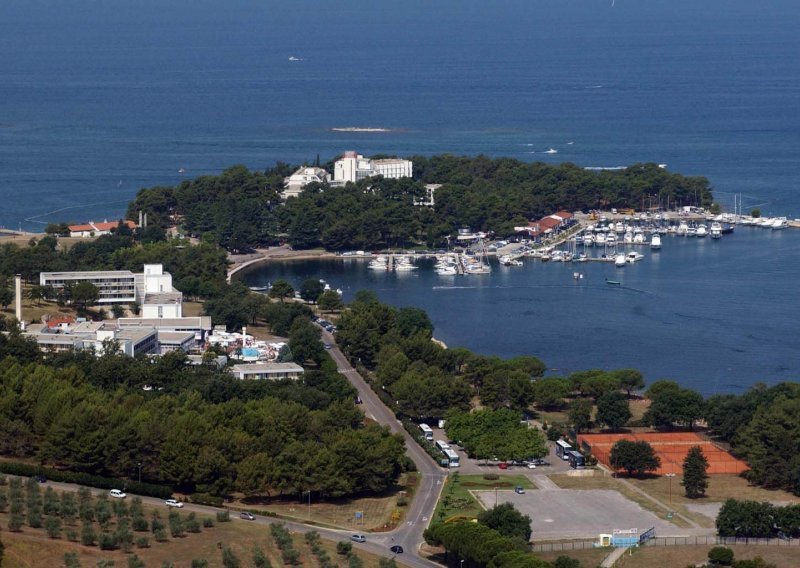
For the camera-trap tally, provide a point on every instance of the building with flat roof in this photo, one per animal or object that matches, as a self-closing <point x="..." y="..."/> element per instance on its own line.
<point x="294" y="184"/>
<point x="200" y="326"/>
<point x="93" y="335"/>
<point x="152" y="288"/>
<point x="353" y="167"/>
<point x="268" y="371"/>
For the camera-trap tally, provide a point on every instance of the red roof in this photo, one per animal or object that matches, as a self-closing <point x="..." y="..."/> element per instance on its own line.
<point x="104" y="226"/>
<point x="548" y="223"/>
<point x="563" y="214"/>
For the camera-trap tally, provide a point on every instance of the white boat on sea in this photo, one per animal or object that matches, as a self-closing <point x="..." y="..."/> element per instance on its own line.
<point x="683" y="229"/>
<point x="716" y="230"/>
<point x="655" y="242"/>
<point x="447" y="270"/>
<point x="632" y="257"/>
<point x="403" y="264"/>
<point x="379" y="263"/>
<point x="620" y="260"/>
<point x="779" y="224"/>
<point x="702" y="231"/>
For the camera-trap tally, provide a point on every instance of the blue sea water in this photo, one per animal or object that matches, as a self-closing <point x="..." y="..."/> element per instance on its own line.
<point x="99" y="99"/>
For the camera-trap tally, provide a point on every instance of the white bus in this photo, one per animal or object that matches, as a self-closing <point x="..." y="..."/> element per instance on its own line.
<point x="442" y="445"/>
<point x="563" y="449"/>
<point x="426" y="431"/>
<point x="452" y="457"/>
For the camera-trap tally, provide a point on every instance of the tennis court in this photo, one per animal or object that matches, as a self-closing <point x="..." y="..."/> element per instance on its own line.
<point x="670" y="447"/>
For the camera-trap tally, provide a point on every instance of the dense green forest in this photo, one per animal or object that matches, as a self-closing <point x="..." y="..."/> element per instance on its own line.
<point x="195" y="428"/>
<point x="424" y="379"/>
<point x="240" y="209"/>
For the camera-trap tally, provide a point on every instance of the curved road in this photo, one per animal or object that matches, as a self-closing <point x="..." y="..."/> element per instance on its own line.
<point x="431" y="477"/>
<point x="408" y="535"/>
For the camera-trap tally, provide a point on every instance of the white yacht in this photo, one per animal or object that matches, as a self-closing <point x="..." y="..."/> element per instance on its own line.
<point x="379" y="263"/>
<point x="716" y="230"/>
<point x="628" y="238"/>
<point x="403" y="264"/>
<point x="655" y="242"/>
<point x="447" y="270"/>
<point x="780" y="223"/>
<point x="620" y="260"/>
<point x="638" y="237"/>
<point x="702" y="231"/>
<point x="632" y="257"/>
<point x="683" y="229"/>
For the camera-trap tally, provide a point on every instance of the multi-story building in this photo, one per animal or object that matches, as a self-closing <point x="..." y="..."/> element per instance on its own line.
<point x="270" y="371"/>
<point x="353" y="167"/>
<point x="294" y="184"/>
<point x="152" y="288"/>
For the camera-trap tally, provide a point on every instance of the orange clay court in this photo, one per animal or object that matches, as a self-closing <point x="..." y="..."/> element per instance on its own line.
<point x="671" y="447"/>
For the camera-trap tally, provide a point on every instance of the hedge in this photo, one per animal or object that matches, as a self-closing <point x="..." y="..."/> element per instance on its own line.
<point x="100" y="482"/>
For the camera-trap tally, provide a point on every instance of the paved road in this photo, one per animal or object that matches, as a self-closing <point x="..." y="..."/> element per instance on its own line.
<point x="431" y="477"/>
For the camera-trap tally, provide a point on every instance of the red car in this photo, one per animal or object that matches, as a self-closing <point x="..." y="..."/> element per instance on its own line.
<point x="503" y="466"/>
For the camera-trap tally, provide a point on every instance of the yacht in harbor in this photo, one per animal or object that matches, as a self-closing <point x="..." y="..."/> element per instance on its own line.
<point x="702" y="231"/>
<point x="620" y="260"/>
<point x="779" y="223"/>
<point x="716" y="230"/>
<point x="655" y="242"/>
<point x="380" y="262"/>
<point x="403" y="264"/>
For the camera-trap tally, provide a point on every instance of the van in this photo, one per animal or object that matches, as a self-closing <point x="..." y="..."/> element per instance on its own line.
<point x="117" y="494"/>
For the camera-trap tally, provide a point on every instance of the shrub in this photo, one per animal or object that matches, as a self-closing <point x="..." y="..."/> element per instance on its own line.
<point x="344" y="548"/>
<point x="208" y="523"/>
<point x="35" y="517"/>
<point x="720" y="556"/>
<point x="71" y="560"/>
<point x="206" y="499"/>
<point x="140" y="524"/>
<point x="223" y="516"/>
<point x="229" y="559"/>
<point x="143" y="542"/>
<point x="135" y="562"/>
<point x="160" y="535"/>
<point x="53" y="527"/>
<point x="15" y="521"/>
<point x="354" y="562"/>
<point x="71" y="535"/>
<point x="290" y="556"/>
<point x="88" y="536"/>
<point x="108" y="541"/>
<point x="260" y="559"/>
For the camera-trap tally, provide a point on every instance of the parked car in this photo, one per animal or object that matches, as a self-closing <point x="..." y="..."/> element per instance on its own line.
<point x="519" y="490"/>
<point x="358" y="538"/>
<point x="397" y="549"/>
<point x="117" y="494"/>
<point x="327" y="346"/>
<point x="247" y="516"/>
<point x="531" y="465"/>
<point x="502" y="465"/>
<point x="173" y="503"/>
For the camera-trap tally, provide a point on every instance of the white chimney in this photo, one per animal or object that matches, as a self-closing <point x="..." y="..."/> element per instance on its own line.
<point x="18" y="297"/>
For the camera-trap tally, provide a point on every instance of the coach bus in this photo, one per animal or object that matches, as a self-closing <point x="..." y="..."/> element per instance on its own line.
<point x="426" y="431"/>
<point x="576" y="460"/>
<point x="563" y="449"/>
<point x="442" y="445"/>
<point x="452" y="457"/>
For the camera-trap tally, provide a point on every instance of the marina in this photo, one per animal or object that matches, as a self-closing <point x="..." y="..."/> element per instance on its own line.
<point x="725" y="305"/>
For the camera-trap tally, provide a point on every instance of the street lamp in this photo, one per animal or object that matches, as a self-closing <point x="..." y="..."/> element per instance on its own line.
<point x="309" y="504"/>
<point x="670" y="476"/>
<point x="139" y="465"/>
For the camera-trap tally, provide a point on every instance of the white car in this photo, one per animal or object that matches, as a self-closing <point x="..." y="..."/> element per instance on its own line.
<point x="173" y="503"/>
<point x="117" y="494"/>
<point x="531" y="465"/>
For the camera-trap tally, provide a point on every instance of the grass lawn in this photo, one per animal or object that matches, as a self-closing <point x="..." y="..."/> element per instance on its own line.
<point x="194" y="309"/>
<point x="378" y="512"/>
<point x="720" y="488"/>
<point x="456" y="499"/>
<point x="600" y="481"/>
<point x="679" y="556"/>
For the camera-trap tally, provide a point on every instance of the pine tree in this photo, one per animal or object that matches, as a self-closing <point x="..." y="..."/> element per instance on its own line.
<point x="695" y="478"/>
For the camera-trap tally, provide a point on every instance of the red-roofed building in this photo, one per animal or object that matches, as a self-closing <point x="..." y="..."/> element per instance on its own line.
<point x="92" y="229"/>
<point x="546" y="225"/>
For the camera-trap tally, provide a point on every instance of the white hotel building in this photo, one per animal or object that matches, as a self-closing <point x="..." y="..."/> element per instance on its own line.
<point x="353" y="167"/>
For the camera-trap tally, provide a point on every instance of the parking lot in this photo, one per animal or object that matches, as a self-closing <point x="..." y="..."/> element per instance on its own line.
<point x="554" y="464"/>
<point x="563" y="514"/>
